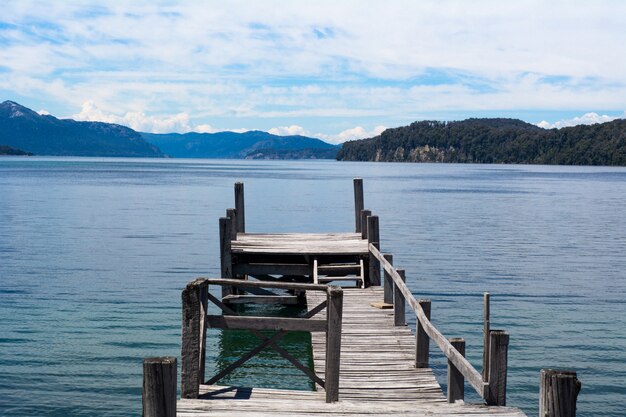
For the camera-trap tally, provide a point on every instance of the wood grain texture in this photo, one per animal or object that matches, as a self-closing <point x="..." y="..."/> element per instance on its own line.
<point x="558" y="391"/>
<point x="358" y="203"/>
<point x="159" y="387"/>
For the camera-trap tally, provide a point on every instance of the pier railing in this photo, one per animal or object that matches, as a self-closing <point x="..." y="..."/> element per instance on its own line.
<point x="493" y="388"/>
<point x="196" y="320"/>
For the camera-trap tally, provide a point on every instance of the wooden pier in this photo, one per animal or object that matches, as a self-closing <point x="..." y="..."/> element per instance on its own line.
<point x="366" y="360"/>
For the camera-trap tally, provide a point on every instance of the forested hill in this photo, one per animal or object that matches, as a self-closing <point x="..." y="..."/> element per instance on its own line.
<point x="493" y="141"/>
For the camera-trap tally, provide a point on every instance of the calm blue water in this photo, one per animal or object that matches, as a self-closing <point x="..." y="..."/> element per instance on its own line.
<point x="94" y="254"/>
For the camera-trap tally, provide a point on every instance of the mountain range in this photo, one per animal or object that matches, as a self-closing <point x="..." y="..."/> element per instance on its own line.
<point x="24" y="129"/>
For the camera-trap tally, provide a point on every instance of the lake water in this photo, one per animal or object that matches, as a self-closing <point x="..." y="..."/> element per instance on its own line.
<point x="94" y="254"/>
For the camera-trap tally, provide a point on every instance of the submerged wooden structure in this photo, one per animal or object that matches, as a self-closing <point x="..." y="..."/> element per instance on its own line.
<point x="366" y="360"/>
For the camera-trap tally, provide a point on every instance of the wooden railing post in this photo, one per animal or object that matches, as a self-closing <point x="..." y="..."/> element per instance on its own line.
<point x="456" y="381"/>
<point x="558" y="391"/>
<point x="388" y="282"/>
<point x="334" y="312"/>
<point x="364" y="215"/>
<point x="373" y="237"/>
<point x="239" y="206"/>
<point x="498" y="356"/>
<point x="159" y="387"/>
<point x="422" y="341"/>
<point x="195" y="298"/>
<point x="231" y="213"/>
<point x="358" y="203"/>
<point x="486" y="325"/>
<point x="226" y="261"/>
<point x="399" y="314"/>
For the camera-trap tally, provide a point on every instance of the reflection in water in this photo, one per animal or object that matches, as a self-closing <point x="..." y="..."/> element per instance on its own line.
<point x="268" y="369"/>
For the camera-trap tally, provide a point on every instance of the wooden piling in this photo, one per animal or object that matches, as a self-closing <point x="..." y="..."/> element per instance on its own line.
<point x="558" y="391"/>
<point x="373" y="237"/>
<point x="239" y="206"/>
<point x="364" y="215"/>
<point x="358" y="203"/>
<point x="498" y="357"/>
<point x="334" y="311"/>
<point x="456" y="381"/>
<point x="226" y="261"/>
<point x="159" y="387"/>
<point x="422" y="341"/>
<point x="486" y="324"/>
<point x="193" y="351"/>
<point x="231" y="213"/>
<point x="399" y="315"/>
<point x="388" y="282"/>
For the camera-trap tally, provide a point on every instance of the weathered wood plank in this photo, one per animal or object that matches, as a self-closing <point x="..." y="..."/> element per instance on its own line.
<point x="266" y="323"/>
<point x="159" y="387"/>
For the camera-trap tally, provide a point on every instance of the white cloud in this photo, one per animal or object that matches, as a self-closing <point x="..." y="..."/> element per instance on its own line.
<point x="357" y="132"/>
<point x="141" y="122"/>
<point x="585" y="119"/>
<point x="43" y="112"/>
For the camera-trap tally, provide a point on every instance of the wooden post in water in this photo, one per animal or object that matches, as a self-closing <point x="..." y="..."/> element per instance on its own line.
<point x="226" y="261"/>
<point x="456" y="381"/>
<point x="358" y="203"/>
<point x="239" y="206"/>
<point x="399" y="317"/>
<point x="486" y="324"/>
<point x="388" y="281"/>
<point x="498" y="357"/>
<point x="158" y="396"/>
<point x="422" y="341"/>
<point x="364" y="215"/>
<point x="558" y="391"/>
<point x="231" y="213"/>
<point x="193" y="351"/>
<point x="334" y="311"/>
<point x="373" y="237"/>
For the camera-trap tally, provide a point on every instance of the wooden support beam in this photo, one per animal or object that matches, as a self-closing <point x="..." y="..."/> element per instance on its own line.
<point x="334" y="313"/>
<point x="456" y="381"/>
<point x="373" y="238"/>
<point x="422" y="341"/>
<point x="239" y="206"/>
<point x="266" y="323"/>
<point x="193" y="351"/>
<point x="231" y="213"/>
<point x="558" y="391"/>
<point x="486" y="325"/>
<point x="159" y="387"/>
<point x="498" y="356"/>
<point x="364" y="215"/>
<point x="226" y="261"/>
<point x="399" y="313"/>
<point x="358" y="203"/>
<point x="388" y="282"/>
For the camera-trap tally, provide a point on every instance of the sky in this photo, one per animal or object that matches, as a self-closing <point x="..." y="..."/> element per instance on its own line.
<point x="337" y="70"/>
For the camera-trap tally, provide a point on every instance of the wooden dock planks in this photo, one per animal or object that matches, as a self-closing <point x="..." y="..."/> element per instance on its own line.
<point x="378" y="375"/>
<point x="300" y="243"/>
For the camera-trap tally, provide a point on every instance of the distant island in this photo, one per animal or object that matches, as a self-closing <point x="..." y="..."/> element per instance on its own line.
<point x="22" y="128"/>
<point x="497" y="141"/>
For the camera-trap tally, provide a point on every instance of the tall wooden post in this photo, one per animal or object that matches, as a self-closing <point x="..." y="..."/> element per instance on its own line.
<point x="388" y="281"/>
<point x="456" y="381"/>
<point x="486" y="324"/>
<point x="239" y="206"/>
<point x="334" y="311"/>
<point x="373" y="237"/>
<point x="422" y="341"/>
<point x="231" y="213"/>
<point x="193" y="352"/>
<point x="498" y="357"/>
<point x="226" y="261"/>
<point x="364" y="215"/>
<point x="399" y="314"/>
<point x="159" y="387"/>
<point x="558" y="391"/>
<point x="358" y="203"/>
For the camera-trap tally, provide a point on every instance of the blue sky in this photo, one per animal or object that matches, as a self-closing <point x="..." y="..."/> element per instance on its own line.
<point x="335" y="70"/>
